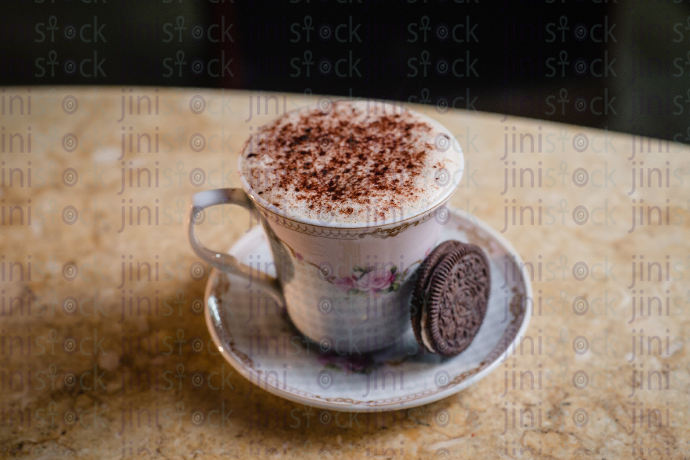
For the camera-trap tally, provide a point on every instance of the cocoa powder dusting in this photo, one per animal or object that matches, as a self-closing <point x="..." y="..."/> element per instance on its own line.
<point x="342" y="161"/>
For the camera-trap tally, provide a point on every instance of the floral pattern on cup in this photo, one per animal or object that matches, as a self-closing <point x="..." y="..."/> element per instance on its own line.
<point x="370" y="280"/>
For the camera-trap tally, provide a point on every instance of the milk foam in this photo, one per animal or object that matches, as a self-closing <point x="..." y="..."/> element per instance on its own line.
<point x="353" y="163"/>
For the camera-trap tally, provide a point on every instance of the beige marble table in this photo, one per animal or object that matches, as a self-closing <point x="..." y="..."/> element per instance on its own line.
<point x="81" y="374"/>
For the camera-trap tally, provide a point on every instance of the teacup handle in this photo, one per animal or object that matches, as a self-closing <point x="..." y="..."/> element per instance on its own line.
<point x="221" y="260"/>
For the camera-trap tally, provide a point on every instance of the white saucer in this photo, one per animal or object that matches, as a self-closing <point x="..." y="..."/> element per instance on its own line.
<point x="263" y="346"/>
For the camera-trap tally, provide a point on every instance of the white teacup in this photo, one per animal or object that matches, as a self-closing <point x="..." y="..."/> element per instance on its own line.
<point x="345" y="286"/>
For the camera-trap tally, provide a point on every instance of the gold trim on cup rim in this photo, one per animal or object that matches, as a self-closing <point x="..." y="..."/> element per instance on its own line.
<point x="382" y="231"/>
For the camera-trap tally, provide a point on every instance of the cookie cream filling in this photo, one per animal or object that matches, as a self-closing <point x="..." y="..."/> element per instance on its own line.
<point x="425" y="336"/>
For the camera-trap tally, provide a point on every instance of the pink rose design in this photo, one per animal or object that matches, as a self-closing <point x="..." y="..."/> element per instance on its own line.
<point x="375" y="281"/>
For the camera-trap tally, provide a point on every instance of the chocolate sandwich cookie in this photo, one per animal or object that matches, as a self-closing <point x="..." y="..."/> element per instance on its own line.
<point x="451" y="297"/>
<point x="418" y="295"/>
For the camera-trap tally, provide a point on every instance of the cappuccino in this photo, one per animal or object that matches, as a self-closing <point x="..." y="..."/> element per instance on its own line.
<point x="354" y="163"/>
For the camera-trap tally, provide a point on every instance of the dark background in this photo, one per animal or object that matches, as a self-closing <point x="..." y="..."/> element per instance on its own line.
<point x="535" y="59"/>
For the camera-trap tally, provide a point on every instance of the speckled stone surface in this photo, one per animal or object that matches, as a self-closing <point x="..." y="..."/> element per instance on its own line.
<point x="78" y="377"/>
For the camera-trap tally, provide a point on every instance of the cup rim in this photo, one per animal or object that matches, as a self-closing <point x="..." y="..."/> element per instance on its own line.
<point x="259" y="201"/>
